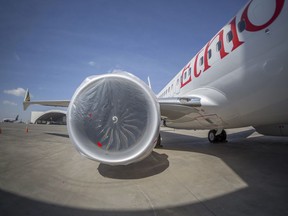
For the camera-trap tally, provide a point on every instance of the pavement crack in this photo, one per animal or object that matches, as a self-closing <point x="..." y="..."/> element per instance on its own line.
<point x="148" y="200"/>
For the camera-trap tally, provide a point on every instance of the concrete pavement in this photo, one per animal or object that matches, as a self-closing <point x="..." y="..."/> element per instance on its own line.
<point x="42" y="174"/>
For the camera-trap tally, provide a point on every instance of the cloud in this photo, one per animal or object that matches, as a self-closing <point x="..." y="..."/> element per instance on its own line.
<point x="9" y="103"/>
<point x="19" y="92"/>
<point x="92" y="63"/>
<point x="117" y="71"/>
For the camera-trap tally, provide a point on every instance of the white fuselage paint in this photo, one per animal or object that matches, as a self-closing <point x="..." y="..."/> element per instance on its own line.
<point x="246" y="81"/>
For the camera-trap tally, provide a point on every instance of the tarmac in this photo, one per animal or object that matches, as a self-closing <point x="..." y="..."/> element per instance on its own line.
<point x="41" y="173"/>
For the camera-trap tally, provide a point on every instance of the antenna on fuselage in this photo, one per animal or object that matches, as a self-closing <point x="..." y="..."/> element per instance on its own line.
<point x="149" y="83"/>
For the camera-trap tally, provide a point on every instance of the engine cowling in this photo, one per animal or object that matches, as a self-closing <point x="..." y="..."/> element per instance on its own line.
<point x="114" y="119"/>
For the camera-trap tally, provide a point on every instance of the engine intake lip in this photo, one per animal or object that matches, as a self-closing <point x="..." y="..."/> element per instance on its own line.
<point x="114" y="119"/>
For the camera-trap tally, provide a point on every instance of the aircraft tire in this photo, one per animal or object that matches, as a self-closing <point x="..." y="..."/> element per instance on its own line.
<point x="213" y="138"/>
<point x="223" y="136"/>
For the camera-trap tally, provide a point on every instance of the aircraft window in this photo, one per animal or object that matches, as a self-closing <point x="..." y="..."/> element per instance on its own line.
<point x="178" y="81"/>
<point x="201" y="61"/>
<point x="185" y="75"/>
<point x="209" y="53"/>
<point x="241" y="25"/>
<point x="229" y="36"/>
<point x="218" y="46"/>
<point x="189" y="72"/>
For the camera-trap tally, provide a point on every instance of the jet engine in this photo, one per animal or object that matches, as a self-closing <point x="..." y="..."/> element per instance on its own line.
<point x="114" y="119"/>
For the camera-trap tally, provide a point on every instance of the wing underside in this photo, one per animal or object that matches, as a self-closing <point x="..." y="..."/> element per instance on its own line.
<point x="189" y="113"/>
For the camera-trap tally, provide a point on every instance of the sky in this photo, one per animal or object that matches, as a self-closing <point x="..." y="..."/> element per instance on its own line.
<point x="51" y="46"/>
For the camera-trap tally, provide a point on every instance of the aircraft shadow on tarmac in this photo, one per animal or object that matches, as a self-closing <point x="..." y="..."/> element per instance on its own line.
<point x="238" y="140"/>
<point x="157" y="163"/>
<point x="152" y="165"/>
<point x="58" y="134"/>
<point x="180" y="142"/>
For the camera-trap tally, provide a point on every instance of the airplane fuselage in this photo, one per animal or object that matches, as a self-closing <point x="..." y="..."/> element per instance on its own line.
<point x="10" y="120"/>
<point x="242" y="72"/>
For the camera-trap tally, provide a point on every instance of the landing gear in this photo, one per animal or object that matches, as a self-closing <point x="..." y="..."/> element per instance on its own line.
<point x="158" y="144"/>
<point x="213" y="137"/>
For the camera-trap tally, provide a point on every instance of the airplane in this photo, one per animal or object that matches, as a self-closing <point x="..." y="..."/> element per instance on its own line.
<point x="11" y="120"/>
<point x="238" y="79"/>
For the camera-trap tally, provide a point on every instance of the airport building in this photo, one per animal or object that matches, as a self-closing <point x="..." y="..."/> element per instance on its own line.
<point x="49" y="117"/>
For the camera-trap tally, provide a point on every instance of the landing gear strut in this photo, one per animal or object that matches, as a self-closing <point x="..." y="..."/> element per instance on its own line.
<point x="158" y="144"/>
<point x="213" y="137"/>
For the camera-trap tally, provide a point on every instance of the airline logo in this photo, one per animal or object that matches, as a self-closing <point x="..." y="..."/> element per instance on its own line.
<point x="202" y="57"/>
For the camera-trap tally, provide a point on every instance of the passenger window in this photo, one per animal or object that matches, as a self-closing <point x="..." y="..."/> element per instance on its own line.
<point x="218" y="46"/>
<point x="241" y="25"/>
<point x="189" y="72"/>
<point x="229" y="36"/>
<point x="201" y="61"/>
<point x="209" y="53"/>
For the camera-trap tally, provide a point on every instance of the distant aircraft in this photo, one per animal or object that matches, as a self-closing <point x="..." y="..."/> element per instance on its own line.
<point x="11" y="120"/>
<point x="239" y="78"/>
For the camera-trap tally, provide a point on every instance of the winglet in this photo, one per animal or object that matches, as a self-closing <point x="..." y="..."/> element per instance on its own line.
<point x="26" y="100"/>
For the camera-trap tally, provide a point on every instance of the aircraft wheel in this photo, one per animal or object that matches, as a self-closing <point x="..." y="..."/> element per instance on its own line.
<point x="212" y="136"/>
<point x="222" y="136"/>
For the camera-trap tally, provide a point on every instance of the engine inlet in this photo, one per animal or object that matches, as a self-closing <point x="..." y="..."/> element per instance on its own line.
<point x="114" y="119"/>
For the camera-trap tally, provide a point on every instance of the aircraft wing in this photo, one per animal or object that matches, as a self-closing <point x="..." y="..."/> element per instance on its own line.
<point x="177" y="112"/>
<point x="58" y="103"/>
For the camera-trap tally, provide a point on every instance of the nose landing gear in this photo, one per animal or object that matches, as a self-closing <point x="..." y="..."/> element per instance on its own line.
<point x="214" y="136"/>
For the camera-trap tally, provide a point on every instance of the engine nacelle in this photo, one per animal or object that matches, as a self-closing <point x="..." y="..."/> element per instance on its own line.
<point x="114" y="119"/>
